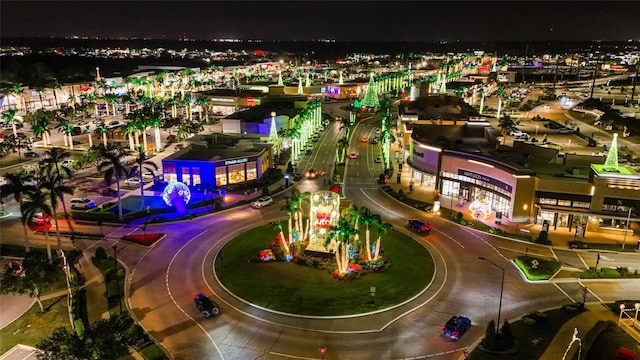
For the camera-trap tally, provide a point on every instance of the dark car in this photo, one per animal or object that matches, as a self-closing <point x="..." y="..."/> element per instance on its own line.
<point x="456" y="326"/>
<point x="105" y="191"/>
<point x="206" y="306"/>
<point x="297" y="177"/>
<point x="76" y="130"/>
<point x="420" y="226"/>
<point x="31" y="154"/>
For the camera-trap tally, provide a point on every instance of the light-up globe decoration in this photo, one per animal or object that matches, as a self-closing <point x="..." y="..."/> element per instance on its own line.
<point x="177" y="194"/>
<point x="480" y="209"/>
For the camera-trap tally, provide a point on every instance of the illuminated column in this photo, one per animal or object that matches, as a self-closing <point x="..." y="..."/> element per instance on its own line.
<point x="300" y="86"/>
<point x="280" y="82"/>
<point x="341" y="80"/>
<point x="307" y="82"/>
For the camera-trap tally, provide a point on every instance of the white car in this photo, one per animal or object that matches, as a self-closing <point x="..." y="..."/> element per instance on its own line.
<point x="262" y="202"/>
<point x="82" y="203"/>
<point x="132" y="181"/>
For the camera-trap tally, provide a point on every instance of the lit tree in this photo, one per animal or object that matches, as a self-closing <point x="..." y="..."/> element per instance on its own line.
<point x="142" y="165"/>
<point x="370" y="100"/>
<point x="10" y="117"/>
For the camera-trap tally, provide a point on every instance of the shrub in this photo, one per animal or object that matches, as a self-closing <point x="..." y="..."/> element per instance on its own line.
<point x="459" y="217"/>
<point x="543" y="238"/>
<point x="113" y="289"/>
<point x="100" y="255"/>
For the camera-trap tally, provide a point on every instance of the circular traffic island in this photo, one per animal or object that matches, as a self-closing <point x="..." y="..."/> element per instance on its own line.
<point x="308" y="285"/>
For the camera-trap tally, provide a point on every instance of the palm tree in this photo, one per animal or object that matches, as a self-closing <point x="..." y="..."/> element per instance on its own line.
<point x="15" y="186"/>
<point x="113" y="162"/>
<point x="297" y="198"/>
<point x="369" y="220"/>
<point x="346" y="230"/>
<point x="10" y="117"/>
<point x="290" y="208"/>
<point x="382" y="228"/>
<point x="505" y="122"/>
<point x="54" y="162"/>
<point x="54" y="184"/>
<point x="16" y="89"/>
<point x="143" y="164"/>
<point x="34" y="205"/>
<point x="64" y="126"/>
<point x="283" y="242"/>
<point x="102" y="130"/>
<point x="54" y="85"/>
<point x="40" y="121"/>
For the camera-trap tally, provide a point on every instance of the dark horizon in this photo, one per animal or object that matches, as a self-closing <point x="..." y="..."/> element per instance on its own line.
<point x="371" y="21"/>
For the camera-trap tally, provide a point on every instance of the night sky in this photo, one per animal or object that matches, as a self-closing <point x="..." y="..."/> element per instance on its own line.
<point x="339" y="20"/>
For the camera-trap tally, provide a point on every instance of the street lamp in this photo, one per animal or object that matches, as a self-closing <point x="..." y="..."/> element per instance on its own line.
<point x="501" y="289"/>
<point x="621" y="312"/>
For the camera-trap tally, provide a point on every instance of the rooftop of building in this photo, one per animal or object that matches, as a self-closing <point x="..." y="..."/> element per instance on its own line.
<point x="216" y="147"/>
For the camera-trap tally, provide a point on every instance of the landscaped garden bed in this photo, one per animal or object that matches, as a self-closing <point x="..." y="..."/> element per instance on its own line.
<point x="536" y="269"/>
<point x="144" y="239"/>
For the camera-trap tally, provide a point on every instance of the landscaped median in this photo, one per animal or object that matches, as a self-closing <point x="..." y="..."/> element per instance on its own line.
<point x="536" y="269"/>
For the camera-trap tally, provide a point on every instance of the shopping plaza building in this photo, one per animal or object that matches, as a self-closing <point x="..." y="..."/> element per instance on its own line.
<point x="467" y="164"/>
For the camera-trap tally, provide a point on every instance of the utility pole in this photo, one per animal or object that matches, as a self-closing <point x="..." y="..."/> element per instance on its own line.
<point x="593" y="83"/>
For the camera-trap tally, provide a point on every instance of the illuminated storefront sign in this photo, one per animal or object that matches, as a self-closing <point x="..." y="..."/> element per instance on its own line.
<point x="236" y="161"/>
<point x="222" y="100"/>
<point x="486" y="179"/>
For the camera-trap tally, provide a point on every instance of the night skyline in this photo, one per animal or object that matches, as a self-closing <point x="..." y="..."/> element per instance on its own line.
<point x="314" y="20"/>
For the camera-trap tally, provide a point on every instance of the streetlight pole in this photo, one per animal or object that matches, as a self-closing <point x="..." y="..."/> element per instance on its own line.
<point x="624" y="238"/>
<point x="501" y="289"/>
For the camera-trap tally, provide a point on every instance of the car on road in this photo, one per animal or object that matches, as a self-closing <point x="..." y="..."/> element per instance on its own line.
<point x="353" y="156"/>
<point x="456" y="326"/>
<point x="374" y="141"/>
<point x="132" y="181"/>
<point x="76" y="130"/>
<point x="82" y="203"/>
<point x="205" y="305"/>
<point x="262" y="202"/>
<point x="106" y="191"/>
<point x="310" y="174"/>
<point x="378" y="160"/>
<point x="297" y="177"/>
<point x="420" y="226"/>
<point x="31" y="154"/>
<point x="364" y="139"/>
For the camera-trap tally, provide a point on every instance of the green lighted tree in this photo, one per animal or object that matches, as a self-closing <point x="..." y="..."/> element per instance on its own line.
<point x="370" y="100"/>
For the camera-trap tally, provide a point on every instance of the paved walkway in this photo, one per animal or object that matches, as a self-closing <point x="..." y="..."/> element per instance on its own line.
<point x="583" y="322"/>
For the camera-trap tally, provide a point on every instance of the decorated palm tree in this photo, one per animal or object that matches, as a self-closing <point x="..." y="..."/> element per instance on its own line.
<point x="16" y="89"/>
<point x="368" y="220"/>
<point x="10" y="117"/>
<point x="33" y="206"/>
<point x="382" y="228"/>
<point x="290" y="208"/>
<point x="342" y="234"/>
<point x="283" y="242"/>
<point x="113" y="165"/>
<point x="297" y="198"/>
<point x="102" y="130"/>
<point x="40" y="121"/>
<point x="16" y="185"/>
<point x="64" y="127"/>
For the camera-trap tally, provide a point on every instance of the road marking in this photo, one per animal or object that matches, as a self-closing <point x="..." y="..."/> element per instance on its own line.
<point x="554" y="254"/>
<point x="591" y="292"/>
<point x="562" y="291"/>
<point x="529" y="252"/>
<point x="166" y="280"/>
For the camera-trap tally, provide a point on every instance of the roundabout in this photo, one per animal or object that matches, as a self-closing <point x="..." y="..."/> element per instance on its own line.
<point x="307" y="287"/>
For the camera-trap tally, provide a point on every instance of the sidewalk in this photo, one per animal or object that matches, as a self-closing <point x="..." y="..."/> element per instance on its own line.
<point x="583" y="322"/>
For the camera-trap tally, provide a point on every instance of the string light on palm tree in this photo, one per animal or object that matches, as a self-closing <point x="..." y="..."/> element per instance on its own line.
<point x="273" y="131"/>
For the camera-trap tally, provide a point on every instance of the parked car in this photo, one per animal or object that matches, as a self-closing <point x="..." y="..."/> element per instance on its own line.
<point x="262" y="202"/>
<point x="82" y="203"/>
<point x="76" y="130"/>
<point x="456" y="326"/>
<point x="378" y="160"/>
<point x="105" y="191"/>
<point x="31" y="154"/>
<point x="205" y="305"/>
<point x="374" y="141"/>
<point x="132" y="181"/>
<point x="297" y="177"/>
<point x="420" y="226"/>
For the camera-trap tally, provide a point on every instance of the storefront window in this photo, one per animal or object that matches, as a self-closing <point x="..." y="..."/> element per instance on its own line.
<point x="195" y="176"/>
<point x="221" y="176"/>
<point x="252" y="172"/>
<point x="236" y="173"/>
<point x="186" y="178"/>
<point x="169" y="172"/>
<point x="450" y="188"/>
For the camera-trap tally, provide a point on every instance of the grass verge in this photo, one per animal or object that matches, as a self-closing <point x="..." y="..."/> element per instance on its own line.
<point x="536" y="269"/>
<point x="33" y="326"/>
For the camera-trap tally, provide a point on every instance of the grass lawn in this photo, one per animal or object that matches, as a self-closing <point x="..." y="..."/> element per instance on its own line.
<point x="34" y="326"/>
<point x="532" y="340"/>
<point x="537" y="268"/>
<point x="303" y="290"/>
<point x="607" y="343"/>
